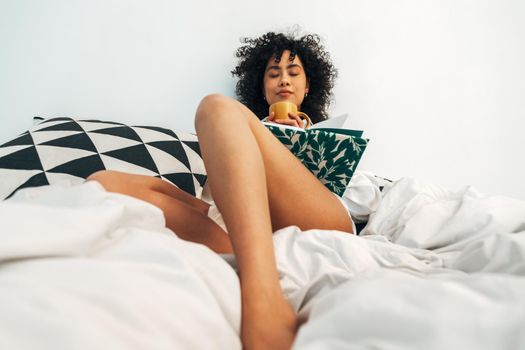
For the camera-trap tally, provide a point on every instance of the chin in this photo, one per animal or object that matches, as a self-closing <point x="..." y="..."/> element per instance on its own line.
<point x="288" y="99"/>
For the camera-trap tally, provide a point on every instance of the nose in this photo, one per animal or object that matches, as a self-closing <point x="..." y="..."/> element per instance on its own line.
<point x="284" y="82"/>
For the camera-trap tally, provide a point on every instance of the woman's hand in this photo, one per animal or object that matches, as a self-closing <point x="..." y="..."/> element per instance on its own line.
<point x="294" y="120"/>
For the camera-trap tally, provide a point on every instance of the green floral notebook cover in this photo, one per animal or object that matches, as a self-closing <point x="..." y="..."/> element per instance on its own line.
<point x="330" y="154"/>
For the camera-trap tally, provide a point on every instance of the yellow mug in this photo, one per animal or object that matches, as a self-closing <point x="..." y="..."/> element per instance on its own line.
<point x="282" y="108"/>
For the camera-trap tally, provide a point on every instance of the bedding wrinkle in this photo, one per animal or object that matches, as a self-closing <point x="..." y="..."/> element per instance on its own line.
<point x="108" y="260"/>
<point x="447" y="254"/>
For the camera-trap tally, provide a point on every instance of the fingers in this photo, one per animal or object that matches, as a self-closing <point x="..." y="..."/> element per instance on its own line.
<point x="289" y="122"/>
<point x="297" y="119"/>
<point x="294" y="120"/>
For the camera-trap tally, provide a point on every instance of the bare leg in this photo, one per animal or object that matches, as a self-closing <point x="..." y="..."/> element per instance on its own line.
<point x="179" y="208"/>
<point x="132" y="183"/>
<point x="295" y="196"/>
<point x="252" y="174"/>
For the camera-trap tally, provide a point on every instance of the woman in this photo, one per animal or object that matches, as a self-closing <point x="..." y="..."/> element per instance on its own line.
<point x="257" y="184"/>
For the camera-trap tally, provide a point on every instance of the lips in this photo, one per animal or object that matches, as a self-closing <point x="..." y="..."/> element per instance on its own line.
<point x="284" y="93"/>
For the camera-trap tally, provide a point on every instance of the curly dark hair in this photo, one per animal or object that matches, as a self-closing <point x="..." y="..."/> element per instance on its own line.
<point x="254" y="56"/>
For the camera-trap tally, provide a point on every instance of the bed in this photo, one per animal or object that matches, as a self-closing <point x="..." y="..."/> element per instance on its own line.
<point x="82" y="268"/>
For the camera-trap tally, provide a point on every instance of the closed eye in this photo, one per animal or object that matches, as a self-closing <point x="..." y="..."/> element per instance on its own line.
<point x="294" y="70"/>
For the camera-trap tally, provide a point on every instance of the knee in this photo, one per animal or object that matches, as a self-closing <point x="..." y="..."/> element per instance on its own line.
<point x="110" y="180"/>
<point x="98" y="176"/>
<point x="213" y="108"/>
<point x="213" y="101"/>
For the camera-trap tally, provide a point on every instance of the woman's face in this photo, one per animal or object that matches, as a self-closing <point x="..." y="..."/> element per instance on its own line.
<point x="285" y="81"/>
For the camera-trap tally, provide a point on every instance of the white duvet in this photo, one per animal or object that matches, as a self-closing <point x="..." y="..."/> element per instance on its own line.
<point x="81" y="268"/>
<point x="84" y="269"/>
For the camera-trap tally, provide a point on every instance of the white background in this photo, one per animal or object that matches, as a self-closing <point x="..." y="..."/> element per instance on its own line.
<point x="438" y="86"/>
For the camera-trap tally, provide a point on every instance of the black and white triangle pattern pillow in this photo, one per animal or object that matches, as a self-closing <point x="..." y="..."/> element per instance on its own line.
<point x="65" y="149"/>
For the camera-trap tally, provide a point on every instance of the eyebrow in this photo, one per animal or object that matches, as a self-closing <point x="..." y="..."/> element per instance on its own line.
<point x="291" y="65"/>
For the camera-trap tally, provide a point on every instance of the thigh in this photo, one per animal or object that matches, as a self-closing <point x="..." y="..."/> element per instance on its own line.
<point x="139" y="186"/>
<point x="296" y="196"/>
<point x="188" y="221"/>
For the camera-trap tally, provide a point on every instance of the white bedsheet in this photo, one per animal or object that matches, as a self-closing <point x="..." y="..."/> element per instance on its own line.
<point x="81" y="268"/>
<point x="453" y="279"/>
<point x="84" y="269"/>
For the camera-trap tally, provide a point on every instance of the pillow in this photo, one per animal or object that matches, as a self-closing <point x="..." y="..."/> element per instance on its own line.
<point x="65" y="149"/>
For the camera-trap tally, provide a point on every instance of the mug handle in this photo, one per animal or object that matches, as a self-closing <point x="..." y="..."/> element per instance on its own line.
<point x="305" y="117"/>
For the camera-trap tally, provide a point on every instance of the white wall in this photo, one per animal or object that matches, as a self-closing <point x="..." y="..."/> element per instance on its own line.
<point x="438" y="86"/>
